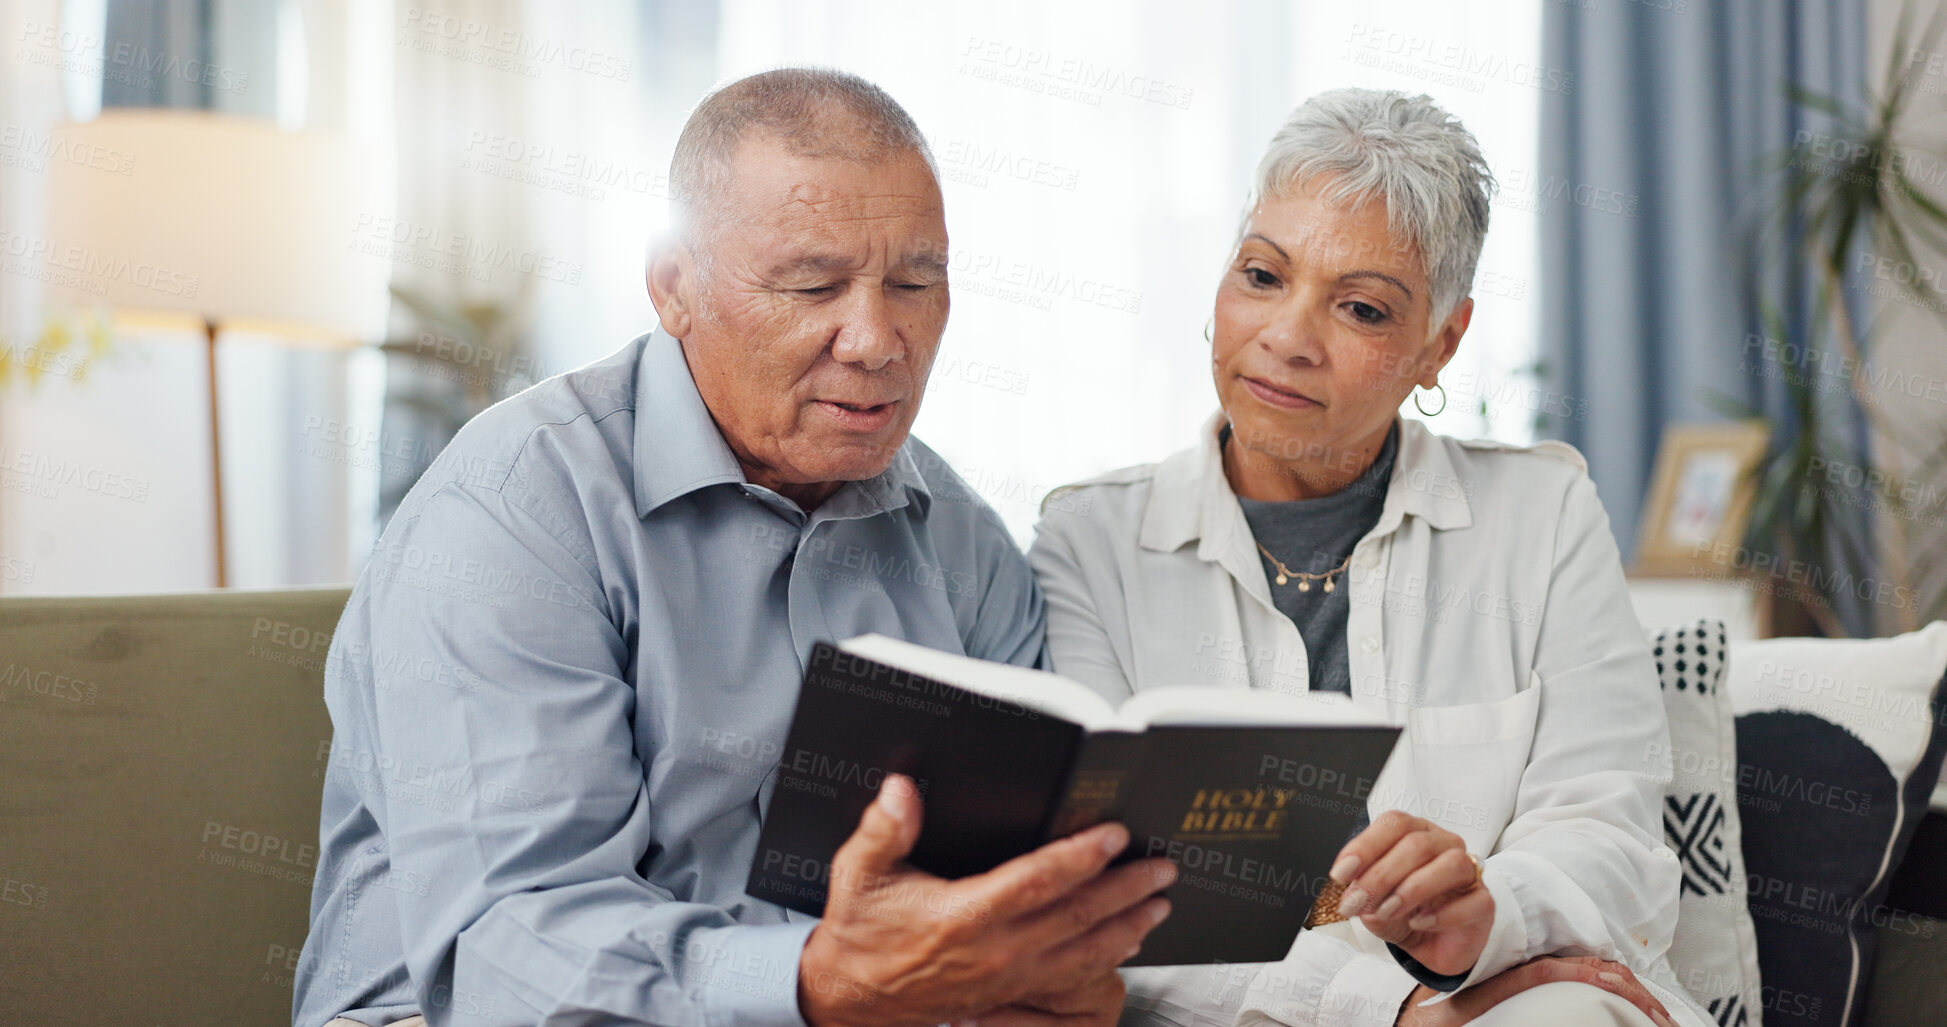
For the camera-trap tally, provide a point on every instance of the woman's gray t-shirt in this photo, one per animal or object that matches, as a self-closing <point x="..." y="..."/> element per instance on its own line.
<point x="1313" y="536"/>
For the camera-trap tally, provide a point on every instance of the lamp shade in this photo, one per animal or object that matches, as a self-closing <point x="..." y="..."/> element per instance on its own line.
<point x="220" y="218"/>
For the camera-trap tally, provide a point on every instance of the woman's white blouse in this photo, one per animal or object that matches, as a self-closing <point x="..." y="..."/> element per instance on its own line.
<point x="1488" y="616"/>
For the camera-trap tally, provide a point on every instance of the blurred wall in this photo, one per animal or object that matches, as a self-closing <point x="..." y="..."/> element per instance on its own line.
<point x="1912" y="343"/>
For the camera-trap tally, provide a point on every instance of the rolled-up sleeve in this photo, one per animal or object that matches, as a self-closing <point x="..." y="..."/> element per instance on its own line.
<point x="1581" y="869"/>
<point x="516" y="800"/>
<point x="1325" y="981"/>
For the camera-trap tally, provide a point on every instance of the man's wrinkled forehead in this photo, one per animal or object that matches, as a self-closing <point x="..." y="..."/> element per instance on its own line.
<point x="818" y="258"/>
<point x="765" y="165"/>
<point x="868" y="192"/>
<point x="778" y="195"/>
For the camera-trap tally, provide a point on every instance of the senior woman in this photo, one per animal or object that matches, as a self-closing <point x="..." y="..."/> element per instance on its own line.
<point x="1513" y="871"/>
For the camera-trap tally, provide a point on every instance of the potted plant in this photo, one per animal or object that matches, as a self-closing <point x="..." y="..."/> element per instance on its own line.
<point x="1854" y="189"/>
<point x="466" y="356"/>
<point x="68" y="345"/>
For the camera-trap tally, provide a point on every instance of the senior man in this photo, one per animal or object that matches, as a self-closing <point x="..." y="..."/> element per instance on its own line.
<point x="560" y="688"/>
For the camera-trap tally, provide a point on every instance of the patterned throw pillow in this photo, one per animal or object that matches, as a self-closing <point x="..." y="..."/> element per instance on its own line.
<point x="1838" y="751"/>
<point x="1714" y="953"/>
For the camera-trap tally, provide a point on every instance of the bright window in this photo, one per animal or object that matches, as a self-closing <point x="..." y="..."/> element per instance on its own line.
<point x="1096" y="157"/>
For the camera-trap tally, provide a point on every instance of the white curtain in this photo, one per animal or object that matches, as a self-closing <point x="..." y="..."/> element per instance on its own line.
<point x="1096" y="157"/>
<point x="526" y="138"/>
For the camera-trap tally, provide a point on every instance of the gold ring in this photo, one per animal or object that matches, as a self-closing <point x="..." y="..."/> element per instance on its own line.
<point x="1479" y="871"/>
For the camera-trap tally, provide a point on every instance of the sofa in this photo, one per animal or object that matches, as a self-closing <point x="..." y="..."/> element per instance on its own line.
<point x="160" y="765"/>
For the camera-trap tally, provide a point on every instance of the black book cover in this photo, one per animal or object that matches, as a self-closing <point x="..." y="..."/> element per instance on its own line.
<point x="1251" y="815"/>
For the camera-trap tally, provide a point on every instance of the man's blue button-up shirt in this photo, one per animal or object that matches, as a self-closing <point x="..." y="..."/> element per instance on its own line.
<point x="560" y="688"/>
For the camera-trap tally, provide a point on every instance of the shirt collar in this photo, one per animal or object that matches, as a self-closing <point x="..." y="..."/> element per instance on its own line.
<point x="1191" y="500"/>
<point x="679" y="448"/>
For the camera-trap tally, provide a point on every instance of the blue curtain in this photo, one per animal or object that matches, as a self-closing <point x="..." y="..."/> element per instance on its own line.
<point x="154" y="50"/>
<point x="1654" y="177"/>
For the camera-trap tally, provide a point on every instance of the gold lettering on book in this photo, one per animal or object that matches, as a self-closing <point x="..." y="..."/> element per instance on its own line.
<point x="1237" y="810"/>
<point x="1089" y="799"/>
<point x="1095" y="788"/>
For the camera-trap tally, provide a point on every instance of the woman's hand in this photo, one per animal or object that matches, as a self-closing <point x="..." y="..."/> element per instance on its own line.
<point x="1614" y="978"/>
<point x="1413" y="884"/>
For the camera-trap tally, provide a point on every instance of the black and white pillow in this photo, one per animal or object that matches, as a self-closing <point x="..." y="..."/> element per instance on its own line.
<point x="1714" y="953"/>
<point x="1838" y="750"/>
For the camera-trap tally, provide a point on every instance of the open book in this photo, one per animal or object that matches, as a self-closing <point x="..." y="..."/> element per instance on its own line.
<point x="1250" y="793"/>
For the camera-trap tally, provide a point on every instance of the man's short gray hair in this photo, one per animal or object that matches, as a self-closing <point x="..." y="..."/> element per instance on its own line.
<point x="815" y="112"/>
<point x="1408" y="153"/>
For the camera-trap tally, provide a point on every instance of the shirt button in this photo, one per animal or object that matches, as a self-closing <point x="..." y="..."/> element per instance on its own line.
<point x="1368" y="559"/>
<point x="1369" y="644"/>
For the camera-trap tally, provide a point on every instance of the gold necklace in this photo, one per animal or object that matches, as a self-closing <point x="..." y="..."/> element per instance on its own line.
<point x="1305" y="580"/>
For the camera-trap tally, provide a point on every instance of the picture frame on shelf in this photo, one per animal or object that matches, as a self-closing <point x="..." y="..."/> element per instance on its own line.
<point x="1699" y="500"/>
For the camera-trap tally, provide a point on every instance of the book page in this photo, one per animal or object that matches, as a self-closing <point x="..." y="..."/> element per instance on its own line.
<point x="1038" y="690"/>
<point x="1061" y="697"/>
<point x="1237" y="706"/>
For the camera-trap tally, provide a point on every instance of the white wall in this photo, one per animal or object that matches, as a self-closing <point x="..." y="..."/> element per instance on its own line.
<point x="1912" y="341"/>
<point x="103" y="483"/>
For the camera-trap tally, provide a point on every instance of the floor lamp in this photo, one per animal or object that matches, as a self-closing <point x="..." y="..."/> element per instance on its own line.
<point x="220" y="224"/>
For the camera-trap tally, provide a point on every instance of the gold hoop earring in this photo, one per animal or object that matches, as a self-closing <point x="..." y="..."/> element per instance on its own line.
<point x="1443" y="402"/>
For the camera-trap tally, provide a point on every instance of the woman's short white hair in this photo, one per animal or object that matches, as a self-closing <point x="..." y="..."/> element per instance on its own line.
<point x="1408" y="153"/>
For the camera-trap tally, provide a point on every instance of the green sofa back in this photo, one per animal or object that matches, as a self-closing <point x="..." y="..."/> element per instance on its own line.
<point x="161" y="759"/>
